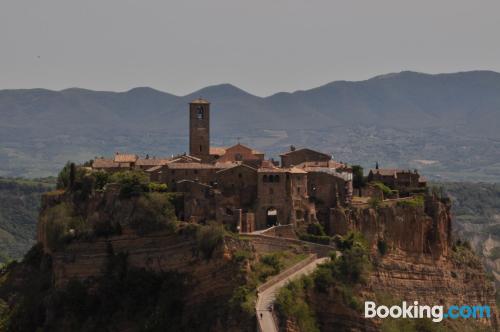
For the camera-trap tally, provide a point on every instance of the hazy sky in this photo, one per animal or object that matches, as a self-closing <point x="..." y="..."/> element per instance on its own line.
<point x="262" y="46"/>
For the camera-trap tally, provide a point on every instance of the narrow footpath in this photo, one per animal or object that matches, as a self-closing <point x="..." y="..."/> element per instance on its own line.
<point x="268" y="291"/>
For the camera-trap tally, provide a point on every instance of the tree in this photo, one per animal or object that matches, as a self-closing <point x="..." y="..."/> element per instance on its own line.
<point x="63" y="179"/>
<point x="358" y="178"/>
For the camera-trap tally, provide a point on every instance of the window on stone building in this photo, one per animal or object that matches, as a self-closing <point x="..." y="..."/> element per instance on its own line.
<point x="200" y="114"/>
<point x="238" y="157"/>
<point x="271" y="178"/>
<point x="264" y="178"/>
<point x="240" y="175"/>
<point x="195" y="171"/>
<point x="276" y="178"/>
<point x="298" y="190"/>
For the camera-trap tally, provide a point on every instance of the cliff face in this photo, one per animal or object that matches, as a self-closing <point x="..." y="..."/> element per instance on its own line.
<point x="424" y="230"/>
<point x="421" y="263"/>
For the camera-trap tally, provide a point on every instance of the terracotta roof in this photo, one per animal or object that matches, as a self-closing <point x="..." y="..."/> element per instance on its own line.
<point x="246" y="147"/>
<point x="151" y="162"/>
<point x="104" y="163"/>
<point x="154" y="169"/>
<point x="272" y="170"/>
<point x="267" y="164"/>
<point x="296" y="170"/>
<point x="189" y="166"/>
<point x="304" y="149"/>
<point x="184" y="158"/>
<point x="198" y="165"/>
<point x="125" y="158"/>
<point x="237" y="165"/>
<point x="330" y="163"/>
<point x="218" y="151"/>
<point x="200" y="101"/>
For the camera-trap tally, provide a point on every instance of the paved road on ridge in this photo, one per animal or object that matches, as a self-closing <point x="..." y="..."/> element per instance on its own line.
<point x="267" y="297"/>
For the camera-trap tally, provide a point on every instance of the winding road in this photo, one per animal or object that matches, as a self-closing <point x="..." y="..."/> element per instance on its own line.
<point x="267" y="296"/>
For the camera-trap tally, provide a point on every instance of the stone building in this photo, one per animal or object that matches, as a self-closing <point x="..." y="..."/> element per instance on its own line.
<point x="295" y="157"/>
<point x="238" y="186"/>
<point x="398" y="179"/>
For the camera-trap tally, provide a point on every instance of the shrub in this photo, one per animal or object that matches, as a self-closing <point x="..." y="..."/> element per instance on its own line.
<point x="353" y="265"/>
<point x="358" y="178"/>
<point x="153" y="212"/>
<point x="101" y="179"/>
<point x="462" y="254"/>
<point x="385" y="190"/>
<point x="324" y="239"/>
<point x="62" y="225"/>
<point x="209" y="238"/>
<point x="316" y="229"/>
<point x="132" y="183"/>
<point x="374" y="202"/>
<point x="158" y="187"/>
<point x="273" y="261"/>
<point x="291" y="304"/>
<point x="63" y="178"/>
<point x="240" y="256"/>
<point x="415" y="201"/>
<point x="34" y="256"/>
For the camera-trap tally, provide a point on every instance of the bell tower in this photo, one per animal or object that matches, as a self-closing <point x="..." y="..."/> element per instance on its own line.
<point x="199" y="129"/>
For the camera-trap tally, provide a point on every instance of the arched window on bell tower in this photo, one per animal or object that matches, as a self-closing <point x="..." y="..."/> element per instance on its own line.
<point x="200" y="113"/>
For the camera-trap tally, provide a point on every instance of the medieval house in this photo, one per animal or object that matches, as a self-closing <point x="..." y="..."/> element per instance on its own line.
<point x="237" y="186"/>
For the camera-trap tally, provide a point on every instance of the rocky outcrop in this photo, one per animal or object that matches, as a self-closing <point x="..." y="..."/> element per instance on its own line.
<point x="422" y="230"/>
<point x="419" y="264"/>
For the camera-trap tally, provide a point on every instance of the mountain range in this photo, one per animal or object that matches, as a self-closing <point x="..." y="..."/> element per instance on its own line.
<point x="444" y="124"/>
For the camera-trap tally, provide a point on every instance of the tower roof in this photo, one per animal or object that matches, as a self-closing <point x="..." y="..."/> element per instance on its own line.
<point x="200" y="101"/>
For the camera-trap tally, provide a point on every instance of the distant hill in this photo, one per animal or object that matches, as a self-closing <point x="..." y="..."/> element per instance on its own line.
<point x="445" y="124"/>
<point x="19" y="205"/>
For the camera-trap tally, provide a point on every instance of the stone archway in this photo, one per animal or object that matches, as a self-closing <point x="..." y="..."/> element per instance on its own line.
<point x="271" y="217"/>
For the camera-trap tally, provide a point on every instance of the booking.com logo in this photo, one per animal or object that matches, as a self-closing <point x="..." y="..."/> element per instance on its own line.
<point x="437" y="313"/>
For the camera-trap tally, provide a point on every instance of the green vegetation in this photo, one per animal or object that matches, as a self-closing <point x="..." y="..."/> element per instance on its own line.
<point x="411" y="325"/>
<point x="463" y="254"/>
<point x="140" y="299"/>
<point x="374" y="202"/>
<point x="342" y="274"/>
<point x="262" y="268"/>
<point x="209" y="238"/>
<point x="385" y="190"/>
<point x="62" y="225"/>
<point x="291" y="303"/>
<point x="19" y="205"/>
<point x="495" y="253"/>
<point x="153" y="212"/>
<point x="132" y="183"/>
<point x="415" y="202"/>
<point x="315" y="233"/>
<point x="358" y="177"/>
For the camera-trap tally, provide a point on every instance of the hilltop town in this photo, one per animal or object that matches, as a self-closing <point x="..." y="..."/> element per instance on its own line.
<point x="237" y="186"/>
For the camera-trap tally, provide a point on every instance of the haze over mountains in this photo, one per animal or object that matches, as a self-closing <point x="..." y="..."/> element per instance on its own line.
<point x="445" y="124"/>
